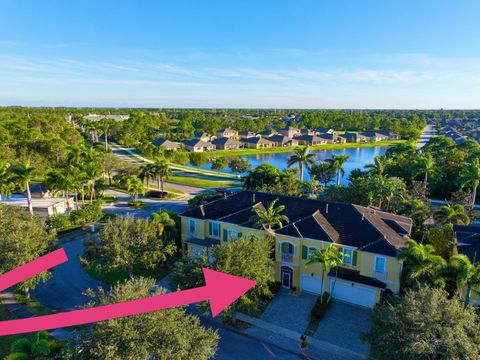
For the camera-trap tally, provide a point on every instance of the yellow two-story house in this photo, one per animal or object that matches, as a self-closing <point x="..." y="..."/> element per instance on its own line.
<point x="369" y="238"/>
<point x="468" y="243"/>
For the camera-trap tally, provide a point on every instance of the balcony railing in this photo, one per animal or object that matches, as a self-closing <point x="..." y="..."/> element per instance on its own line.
<point x="286" y="257"/>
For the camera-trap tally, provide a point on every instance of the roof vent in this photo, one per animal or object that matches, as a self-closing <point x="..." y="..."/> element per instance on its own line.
<point x="363" y="216"/>
<point x="326" y="210"/>
<point x="253" y="197"/>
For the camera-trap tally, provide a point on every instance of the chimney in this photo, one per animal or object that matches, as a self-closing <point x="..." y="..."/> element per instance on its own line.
<point x="326" y="210"/>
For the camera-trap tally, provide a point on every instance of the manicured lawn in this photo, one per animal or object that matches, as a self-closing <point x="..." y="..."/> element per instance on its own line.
<point x="122" y="274"/>
<point x="34" y="306"/>
<point x="244" y="152"/>
<point x="6" y="341"/>
<point x="201" y="182"/>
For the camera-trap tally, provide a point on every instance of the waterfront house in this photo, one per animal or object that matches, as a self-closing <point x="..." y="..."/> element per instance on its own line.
<point x="289" y="131"/>
<point x="374" y="136"/>
<point x="204" y="136"/>
<point x="257" y="143"/>
<point x="267" y="133"/>
<point x="310" y="140"/>
<point x="197" y="145"/>
<point x="391" y="136"/>
<point x="282" y="140"/>
<point x="369" y="239"/>
<point x="354" y="138"/>
<point x="166" y="144"/>
<point x="306" y="131"/>
<point x="332" y="138"/>
<point x="246" y="134"/>
<point x="226" y="133"/>
<point x="325" y="131"/>
<point x="226" y="143"/>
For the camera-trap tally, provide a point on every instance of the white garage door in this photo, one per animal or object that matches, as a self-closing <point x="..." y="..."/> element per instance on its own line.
<point x="355" y="294"/>
<point x="312" y="284"/>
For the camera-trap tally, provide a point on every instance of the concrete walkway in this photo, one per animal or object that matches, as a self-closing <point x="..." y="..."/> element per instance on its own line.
<point x="428" y="132"/>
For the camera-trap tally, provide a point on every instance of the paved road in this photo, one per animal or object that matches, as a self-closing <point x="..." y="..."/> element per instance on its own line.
<point x="427" y="134"/>
<point x="64" y="290"/>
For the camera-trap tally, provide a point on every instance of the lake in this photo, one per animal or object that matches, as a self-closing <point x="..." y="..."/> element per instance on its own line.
<point x="358" y="158"/>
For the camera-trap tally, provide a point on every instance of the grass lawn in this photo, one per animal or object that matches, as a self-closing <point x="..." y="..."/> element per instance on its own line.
<point x="6" y="341"/>
<point x="201" y="182"/>
<point x="34" y="306"/>
<point x="244" y="152"/>
<point x="122" y="274"/>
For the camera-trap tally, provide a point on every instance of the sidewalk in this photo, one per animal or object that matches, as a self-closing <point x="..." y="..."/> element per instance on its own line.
<point x="12" y="305"/>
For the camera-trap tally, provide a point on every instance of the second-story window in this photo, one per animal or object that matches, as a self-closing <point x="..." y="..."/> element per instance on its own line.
<point x="347" y="256"/>
<point x="380" y="265"/>
<point x="232" y="234"/>
<point x="216" y="229"/>
<point x="191" y="227"/>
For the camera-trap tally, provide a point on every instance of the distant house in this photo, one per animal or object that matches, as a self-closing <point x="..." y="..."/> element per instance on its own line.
<point x="375" y="136"/>
<point x="166" y="144"/>
<point x="289" y="131"/>
<point x="306" y="131"/>
<point x="226" y="143"/>
<point x="325" y="131"/>
<point x="331" y="138"/>
<point x="391" y="136"/>
<point x="197" y="145"/>
<point x="204" y="136"/>
<point x="267" y="133"/>
<point x="246" y="134"/>
<point x="257" y="143"/>
<point x="468" y="243"/>
<point x="43" y="206"/>
<point x="226" y="133"/>
<point x="94" y="117"/>
<point x="354" y="138"/>
<point x="310" y="140"/>
<point x="282" y="140"/>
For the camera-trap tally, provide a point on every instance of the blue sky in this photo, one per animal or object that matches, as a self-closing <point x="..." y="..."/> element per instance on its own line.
<point x="249" y="53"/>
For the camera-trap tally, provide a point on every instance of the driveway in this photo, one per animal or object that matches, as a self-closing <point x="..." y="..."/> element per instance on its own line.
<point x="290" y="311"/>
<point x="342" y="326"/>
<point x="64" y="290"/>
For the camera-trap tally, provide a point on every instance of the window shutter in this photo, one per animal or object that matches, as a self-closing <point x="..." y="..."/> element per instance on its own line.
<point x="304" y="252"/>
<point x="225" y="235"/>
<point x="209" y="228"/>
<point x="239" y="235"/>
<point x="354" y="258"/>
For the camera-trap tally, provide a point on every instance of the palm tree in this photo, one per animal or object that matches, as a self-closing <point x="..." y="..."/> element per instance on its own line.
<point x="467" y="275"/>
<point x="61" y="180"/>
<point x="451" y="214"/>
<point x="269" y="218"/>
<point x="427" y="165"/>
<point x="311" y="189"/>
<point x="470" y="175"/>
<point x="337" y="162"/>
<point x="328" y="258"/>
<point x="92" y="172"/>
<point x="303" y="157"/>
<point x="5" y="180"/>
<point x="23" y="176"/>
<point x="146" y="173"/>
<point x="134" y="187"/>
<point x="379" y="165"/>
<point x="161" y="171"/>
<point x="421" y="264"/>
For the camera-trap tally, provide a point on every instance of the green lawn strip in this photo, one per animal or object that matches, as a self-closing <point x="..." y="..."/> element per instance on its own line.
<point x="201" y="183"/>
<point x="6" y="341"/>
<point x="33" y="306"/>
<point x="317" y="313"/>
<point x="115" y="276"/>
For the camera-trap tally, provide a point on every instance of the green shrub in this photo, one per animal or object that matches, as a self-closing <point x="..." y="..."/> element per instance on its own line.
<point x="58" y="222"/>
<point x="86" y="214"/>
<point x="320" y="307"/>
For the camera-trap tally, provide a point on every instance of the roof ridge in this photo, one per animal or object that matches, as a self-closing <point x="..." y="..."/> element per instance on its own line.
<point x="239" y="211"/>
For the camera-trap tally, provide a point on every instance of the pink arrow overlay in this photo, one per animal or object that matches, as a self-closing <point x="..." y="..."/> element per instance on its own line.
<point x="220" y="289"/>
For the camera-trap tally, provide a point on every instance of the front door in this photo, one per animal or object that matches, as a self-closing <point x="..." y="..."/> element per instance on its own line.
<point x="286" y="277"/>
